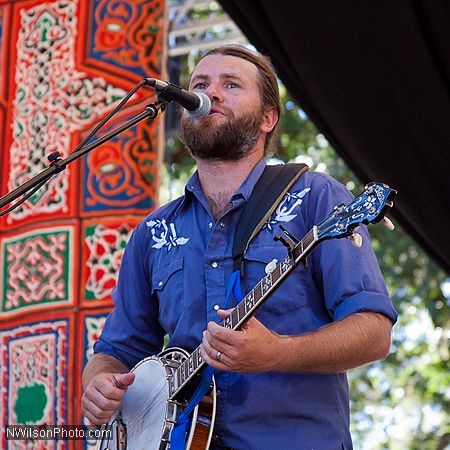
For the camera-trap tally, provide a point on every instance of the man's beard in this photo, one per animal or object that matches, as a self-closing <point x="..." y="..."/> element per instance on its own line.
<point x="210" y="139"/>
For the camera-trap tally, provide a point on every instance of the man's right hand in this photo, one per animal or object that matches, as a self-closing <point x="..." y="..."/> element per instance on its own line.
<point x="103" y="395"/>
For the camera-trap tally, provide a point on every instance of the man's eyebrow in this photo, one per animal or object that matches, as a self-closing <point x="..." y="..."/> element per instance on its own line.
<point x="201" y="77"/>
<point x="230" y="75"/>
<point x="198" y="78"/>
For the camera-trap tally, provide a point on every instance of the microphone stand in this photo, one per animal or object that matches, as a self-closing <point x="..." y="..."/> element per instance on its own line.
<point x="58" y="165"/>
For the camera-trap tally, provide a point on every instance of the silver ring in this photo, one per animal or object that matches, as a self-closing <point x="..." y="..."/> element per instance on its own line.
<point x="219" y="354"/>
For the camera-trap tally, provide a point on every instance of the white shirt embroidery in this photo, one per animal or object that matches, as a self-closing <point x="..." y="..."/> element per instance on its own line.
<point x="163" y="235"/>
<point x="285" y="211"/>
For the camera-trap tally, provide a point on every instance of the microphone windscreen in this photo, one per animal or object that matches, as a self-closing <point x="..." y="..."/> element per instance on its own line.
<point x="203" y="109"/>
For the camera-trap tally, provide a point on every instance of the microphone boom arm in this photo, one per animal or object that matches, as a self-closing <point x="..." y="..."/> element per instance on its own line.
<point x="58" y="165"/>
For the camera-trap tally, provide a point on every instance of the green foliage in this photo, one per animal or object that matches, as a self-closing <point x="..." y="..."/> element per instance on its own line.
<point x="403" y="401"/>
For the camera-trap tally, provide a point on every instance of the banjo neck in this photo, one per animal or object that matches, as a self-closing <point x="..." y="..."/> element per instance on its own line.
<point x="246" y="308"/>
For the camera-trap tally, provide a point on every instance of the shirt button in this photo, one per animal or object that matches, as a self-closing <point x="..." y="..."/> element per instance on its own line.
<point x="210" y="224"/>
<point x="222" y="224"/>
<point x="215" y="437"/>
<point x="214" y="264"/>
<point x="160" y="283"/>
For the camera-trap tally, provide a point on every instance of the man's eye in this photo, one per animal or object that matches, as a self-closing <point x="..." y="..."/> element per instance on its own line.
<point x="232" y="85"/>
<point x="199" y="86"/>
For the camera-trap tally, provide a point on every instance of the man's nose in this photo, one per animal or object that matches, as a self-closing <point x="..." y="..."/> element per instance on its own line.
<point x="214" y="92"/>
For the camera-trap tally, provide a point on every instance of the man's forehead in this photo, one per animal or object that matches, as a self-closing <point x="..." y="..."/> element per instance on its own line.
<point x="224" y="65"/>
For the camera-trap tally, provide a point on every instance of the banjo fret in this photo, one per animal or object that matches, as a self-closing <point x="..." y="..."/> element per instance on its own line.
<point x="241" y="310"/>
<point x="275" y="274"/>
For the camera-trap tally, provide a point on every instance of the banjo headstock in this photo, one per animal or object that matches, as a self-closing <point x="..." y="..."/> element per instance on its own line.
<point x="370" y="206"/>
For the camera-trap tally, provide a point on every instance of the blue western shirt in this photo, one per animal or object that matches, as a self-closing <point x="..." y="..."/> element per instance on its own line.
<point x="176" y="268"/>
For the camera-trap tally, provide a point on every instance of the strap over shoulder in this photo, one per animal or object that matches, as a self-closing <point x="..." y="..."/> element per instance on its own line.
<point x="268" y="192"/>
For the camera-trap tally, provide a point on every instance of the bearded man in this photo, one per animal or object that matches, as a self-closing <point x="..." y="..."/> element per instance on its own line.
<point x="281" y="377"/>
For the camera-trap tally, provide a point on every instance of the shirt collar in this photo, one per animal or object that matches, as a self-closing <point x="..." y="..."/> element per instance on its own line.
<point x="193" y="185"/>
<point x="247" y="186"/>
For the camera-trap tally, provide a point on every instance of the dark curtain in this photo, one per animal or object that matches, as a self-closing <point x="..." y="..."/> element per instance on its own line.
<point x="375" y="79"/>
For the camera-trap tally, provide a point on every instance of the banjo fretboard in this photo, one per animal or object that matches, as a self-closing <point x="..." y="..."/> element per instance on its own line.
<point x="246" y="308"/>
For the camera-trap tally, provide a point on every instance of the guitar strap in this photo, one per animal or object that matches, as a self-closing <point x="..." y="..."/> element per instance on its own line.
<point x="268" y="192"/>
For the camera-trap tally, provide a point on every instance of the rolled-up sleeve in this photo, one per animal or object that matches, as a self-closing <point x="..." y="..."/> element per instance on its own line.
<point x="350" y="277"/>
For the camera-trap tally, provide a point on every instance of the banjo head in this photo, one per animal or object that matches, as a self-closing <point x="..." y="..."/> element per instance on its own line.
<point x="144" y="405"/>
<point x="144" y="408"/>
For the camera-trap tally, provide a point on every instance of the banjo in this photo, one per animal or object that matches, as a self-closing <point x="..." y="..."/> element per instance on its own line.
<point x="164" y="383"/>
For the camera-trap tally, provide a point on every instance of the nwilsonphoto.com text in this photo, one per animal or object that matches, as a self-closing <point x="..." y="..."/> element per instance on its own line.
<point x="55" y="432"/>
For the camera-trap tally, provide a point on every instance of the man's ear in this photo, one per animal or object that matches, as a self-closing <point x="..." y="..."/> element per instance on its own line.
<point x="270" y="119"/>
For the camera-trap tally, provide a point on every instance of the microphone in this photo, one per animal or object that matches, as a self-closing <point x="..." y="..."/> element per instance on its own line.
<point x="197" y="105"/>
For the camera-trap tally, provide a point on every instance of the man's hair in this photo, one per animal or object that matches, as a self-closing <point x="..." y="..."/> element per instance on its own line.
<point x="267" y="83"/>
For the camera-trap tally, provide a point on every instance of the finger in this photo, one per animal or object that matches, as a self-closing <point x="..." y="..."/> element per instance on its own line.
<point x="109" y="393"/>
<point x="94" y="401"/>
<point x="210" y="355"/>
<point x="213" y="345"/>
<point x="224" y="313"/>
<point x="123" y="380"/>
<point x="93" y="419"/>
<point x="108" y="388"/>
<point x="223" y="335"/>
<point x="92" y="411"/>
<point x="90" y="418"/>
<point x="212" y="361"/>
<point x="102" y="403"/>
<point x="105" y="403"/>
<point x="208" y="349"/>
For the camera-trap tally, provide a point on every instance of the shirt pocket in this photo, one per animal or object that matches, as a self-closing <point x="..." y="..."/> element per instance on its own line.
<point x="168" y="287"/>
<point x="290" y="295"/>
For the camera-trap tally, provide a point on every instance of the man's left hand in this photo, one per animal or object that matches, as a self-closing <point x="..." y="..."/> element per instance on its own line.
<point x="251" y="349"/>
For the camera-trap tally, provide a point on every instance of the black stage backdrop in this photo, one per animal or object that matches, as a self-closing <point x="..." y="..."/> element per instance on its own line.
<point x="375" y="79"/>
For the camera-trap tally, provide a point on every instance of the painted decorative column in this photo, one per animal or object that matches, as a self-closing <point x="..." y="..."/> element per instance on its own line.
<point x="64" y="66"/>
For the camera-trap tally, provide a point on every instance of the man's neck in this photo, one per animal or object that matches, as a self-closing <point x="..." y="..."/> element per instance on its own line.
<point x="221" y="179"/>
